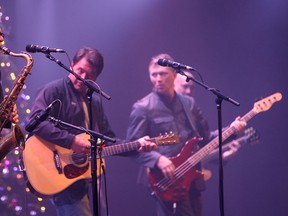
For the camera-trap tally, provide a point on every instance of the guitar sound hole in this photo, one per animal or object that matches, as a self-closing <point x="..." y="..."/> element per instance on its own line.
<point x="79" y="158"/>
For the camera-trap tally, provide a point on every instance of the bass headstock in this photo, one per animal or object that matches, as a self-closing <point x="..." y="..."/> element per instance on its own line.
<point x="266" y="103"/>
<point x="167" y="139"/>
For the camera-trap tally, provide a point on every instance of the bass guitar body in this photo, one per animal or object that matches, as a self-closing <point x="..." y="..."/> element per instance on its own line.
<point x="176" y="188"/>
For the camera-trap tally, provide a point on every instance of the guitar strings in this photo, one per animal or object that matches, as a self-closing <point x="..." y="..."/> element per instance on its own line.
<point x="120" y="148"/>
<point x="165" y="183"/>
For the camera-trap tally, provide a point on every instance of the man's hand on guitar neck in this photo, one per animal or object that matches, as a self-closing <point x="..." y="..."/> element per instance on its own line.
<point x="146" y="144"/>
<point x="81" y="145"/>
<point x="238" y="124"/>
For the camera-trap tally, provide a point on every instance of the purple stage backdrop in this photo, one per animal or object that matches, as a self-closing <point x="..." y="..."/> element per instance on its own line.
<point x="239" y="47"/>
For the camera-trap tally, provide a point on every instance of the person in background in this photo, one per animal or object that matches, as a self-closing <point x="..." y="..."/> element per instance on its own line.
<point x="181" y="86"/>
<point x="164" y="110"/>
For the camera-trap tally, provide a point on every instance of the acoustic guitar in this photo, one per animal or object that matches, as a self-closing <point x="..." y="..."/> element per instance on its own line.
<point x="49" y="168"/>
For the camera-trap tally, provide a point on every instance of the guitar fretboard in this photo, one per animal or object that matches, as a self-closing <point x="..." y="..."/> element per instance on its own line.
<point x="122" y="148"/>
<point x="250" y="133"/>
<point x="199" y="155"/>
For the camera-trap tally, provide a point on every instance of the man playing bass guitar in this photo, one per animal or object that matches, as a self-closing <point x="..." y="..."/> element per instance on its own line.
<point x="165" y="110"/>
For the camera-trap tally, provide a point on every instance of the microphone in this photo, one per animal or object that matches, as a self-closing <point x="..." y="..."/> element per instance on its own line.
<point x="44" y="49"/>
<point x="42" y="116"/>
<point x="176" y="65"/>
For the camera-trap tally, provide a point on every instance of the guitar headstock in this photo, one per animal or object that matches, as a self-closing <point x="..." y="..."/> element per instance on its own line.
<point x="251" y="136"/>
<point x="167" y="139"/>
<point x="266" y="103"/>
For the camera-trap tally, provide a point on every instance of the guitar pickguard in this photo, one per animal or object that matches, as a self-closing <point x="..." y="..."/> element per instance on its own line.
<point x="71" y="171"/>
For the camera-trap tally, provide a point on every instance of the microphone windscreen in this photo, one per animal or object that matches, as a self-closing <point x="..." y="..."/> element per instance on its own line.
<point x="30" y="48"/>
<point x="162" y="62"/>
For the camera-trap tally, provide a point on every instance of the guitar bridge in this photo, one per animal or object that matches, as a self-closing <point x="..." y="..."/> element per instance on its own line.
<point x="57" y="162"/>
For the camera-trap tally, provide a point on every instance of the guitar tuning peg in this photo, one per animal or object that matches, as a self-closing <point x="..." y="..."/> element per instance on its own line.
<point x="258" y="99"/>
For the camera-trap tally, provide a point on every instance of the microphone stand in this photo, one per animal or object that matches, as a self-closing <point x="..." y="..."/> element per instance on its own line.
<point x="219" y="98"/>
<point x="92" y="87"/>
<point x="87" y="131"/>
<point x="93" y="140"/>
<point x="96" y="208"/>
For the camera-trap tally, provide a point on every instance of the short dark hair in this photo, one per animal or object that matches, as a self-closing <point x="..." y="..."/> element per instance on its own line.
<point x="154" y="59"/>
<point x="93" y="56"/>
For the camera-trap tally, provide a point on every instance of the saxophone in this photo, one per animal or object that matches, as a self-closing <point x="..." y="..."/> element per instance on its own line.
<point x="15" y="138"/>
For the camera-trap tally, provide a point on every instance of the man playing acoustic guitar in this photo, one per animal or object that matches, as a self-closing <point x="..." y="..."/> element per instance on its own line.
<point x="72" y="108"/>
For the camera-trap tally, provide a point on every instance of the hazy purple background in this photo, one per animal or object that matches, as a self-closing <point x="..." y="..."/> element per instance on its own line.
<point x="240" y="47"/>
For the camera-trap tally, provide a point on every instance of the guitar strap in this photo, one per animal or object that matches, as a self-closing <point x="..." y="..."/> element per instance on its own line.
<point x="188" y="114"/>
<point x="199" y="184"/>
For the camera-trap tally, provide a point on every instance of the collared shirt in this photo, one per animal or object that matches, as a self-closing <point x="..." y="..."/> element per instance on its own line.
<point x="154" y="115"/>
<point x="70" y="111"/>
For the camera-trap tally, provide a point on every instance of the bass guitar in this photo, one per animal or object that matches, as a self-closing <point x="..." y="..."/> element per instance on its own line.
<point x="49" y="168"/>
<point x="176" y="188"/>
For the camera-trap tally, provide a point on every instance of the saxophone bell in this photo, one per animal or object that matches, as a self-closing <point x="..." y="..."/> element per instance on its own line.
<point x="13" y="139"/>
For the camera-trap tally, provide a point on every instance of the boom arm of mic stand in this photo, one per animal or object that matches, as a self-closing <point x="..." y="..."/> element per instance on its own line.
<point x="213" y="90"/>
<point x="89" y="83"/>
<point x="90" y="132"/>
